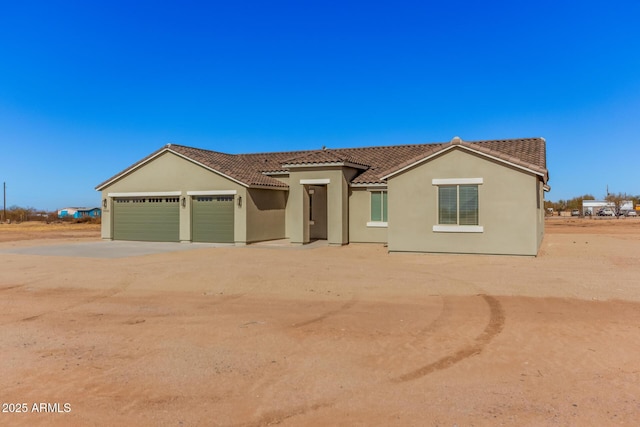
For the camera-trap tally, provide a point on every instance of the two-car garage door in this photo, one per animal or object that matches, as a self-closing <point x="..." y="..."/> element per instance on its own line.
<point x="155" y="219"/>
<point x="158" y="219"/>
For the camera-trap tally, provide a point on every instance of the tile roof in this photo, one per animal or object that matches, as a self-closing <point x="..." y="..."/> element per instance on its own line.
<point x="528" y="153"/>
<point x="377" y="162"/>
<point x="325" y="156"/>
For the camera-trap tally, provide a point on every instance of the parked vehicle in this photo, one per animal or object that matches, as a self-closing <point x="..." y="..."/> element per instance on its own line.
<point x="606" y="212"/>
<point x="632" y="213"/>
<point x="575" y="212"/>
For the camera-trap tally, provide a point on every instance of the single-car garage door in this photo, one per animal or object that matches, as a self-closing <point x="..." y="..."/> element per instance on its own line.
<point x="212" y="219"/>
<point x="155" y="219"/>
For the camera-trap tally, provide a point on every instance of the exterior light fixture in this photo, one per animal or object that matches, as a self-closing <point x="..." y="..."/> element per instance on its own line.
<point x="104" y="203"/>
<point x="239" y="201"/>
<point x="184" y="202"/>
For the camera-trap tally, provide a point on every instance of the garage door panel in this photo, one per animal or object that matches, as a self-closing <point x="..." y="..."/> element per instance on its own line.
<point x="147" y="219"/>
<point x="213" y="219"/>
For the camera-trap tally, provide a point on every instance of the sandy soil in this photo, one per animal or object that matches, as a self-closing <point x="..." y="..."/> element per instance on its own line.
<point x="326" y="336"/>
<point x="36" y="230"/>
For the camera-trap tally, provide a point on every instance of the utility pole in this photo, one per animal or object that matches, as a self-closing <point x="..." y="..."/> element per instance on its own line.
<point x="4" y="202"/>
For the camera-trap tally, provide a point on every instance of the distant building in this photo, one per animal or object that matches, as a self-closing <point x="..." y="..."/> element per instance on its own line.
<point x="79" y="212"/>
<point x="626" y="206"/>
<point x="591" y="207"/>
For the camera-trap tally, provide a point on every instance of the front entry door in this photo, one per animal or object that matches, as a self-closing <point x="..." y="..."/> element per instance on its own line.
<point x="318" y="212"/>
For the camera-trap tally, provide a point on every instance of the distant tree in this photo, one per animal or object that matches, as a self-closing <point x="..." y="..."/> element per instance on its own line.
<point x="576" y="202"/>
<point x="562" y="205"/>
<point x="570" y="204"/>
<point x="20" y="214"/>
<point x="617" y="200"/>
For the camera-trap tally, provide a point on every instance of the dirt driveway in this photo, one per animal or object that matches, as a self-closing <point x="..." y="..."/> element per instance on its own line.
<point x="327" y="336"/>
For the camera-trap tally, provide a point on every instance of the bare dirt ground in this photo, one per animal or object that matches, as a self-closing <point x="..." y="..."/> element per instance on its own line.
<point x="326" y="336"/>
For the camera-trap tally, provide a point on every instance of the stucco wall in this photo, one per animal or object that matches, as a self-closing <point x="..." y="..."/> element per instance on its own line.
<point x="360" y="215"/>
<point x="169" y="172"/>
<point x="337" y="204"/>
<point x="507" y="207"/>
<point x="540" y="213"/>
<point x="266" y="214"/>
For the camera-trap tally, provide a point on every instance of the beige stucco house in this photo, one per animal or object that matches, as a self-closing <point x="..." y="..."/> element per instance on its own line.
<point x="481" y="197"/>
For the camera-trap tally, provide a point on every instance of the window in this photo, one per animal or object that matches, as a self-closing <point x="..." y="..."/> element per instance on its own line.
<point x="458" y="205"/>
<point x="378" y="208"/>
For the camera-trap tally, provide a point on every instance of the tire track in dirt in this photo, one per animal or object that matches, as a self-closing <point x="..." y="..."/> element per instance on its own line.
<point x="6" y="288"/>
<point x="108" y="293"/>
<point x="442" y="319"/>
<point x="277" y="417"/>
<point x="215" y="300"/>
<point x="493" y="328"/>
<point x="329" y="313"/>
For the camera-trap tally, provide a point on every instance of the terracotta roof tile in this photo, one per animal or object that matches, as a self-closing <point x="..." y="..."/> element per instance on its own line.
<point x="529" y="153"/>
<point x="325" y="156"/>
<point x="377" y="162"/>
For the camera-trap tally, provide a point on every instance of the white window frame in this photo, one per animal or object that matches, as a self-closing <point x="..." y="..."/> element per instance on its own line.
<point x="378" y="224"/>
<point x="456" y="228"/>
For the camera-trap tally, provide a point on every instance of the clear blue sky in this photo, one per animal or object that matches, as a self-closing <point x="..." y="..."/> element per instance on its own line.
<point x="87" y="88"/>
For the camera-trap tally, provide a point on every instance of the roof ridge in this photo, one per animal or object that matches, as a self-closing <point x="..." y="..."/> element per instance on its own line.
<point x="170" y="146"/>
<point x="379" y="161"/>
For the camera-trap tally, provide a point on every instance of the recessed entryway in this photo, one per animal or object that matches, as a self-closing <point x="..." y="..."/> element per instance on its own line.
<point x="317" y="212"/>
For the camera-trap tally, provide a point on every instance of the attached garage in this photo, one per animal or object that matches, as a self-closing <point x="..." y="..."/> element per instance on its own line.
<point x="212" y="219"/>
<point x="155" y="219"/>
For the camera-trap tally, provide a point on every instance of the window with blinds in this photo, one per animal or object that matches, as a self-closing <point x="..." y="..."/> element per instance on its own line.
<point x="458" y="204"/>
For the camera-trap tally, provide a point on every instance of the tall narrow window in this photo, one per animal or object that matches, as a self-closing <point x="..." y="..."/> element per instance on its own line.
<point x="379" y="206"/>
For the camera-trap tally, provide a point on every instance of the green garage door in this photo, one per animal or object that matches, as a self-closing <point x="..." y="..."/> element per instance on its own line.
<point x="212" y="219"/>
<point x="155" y="219"/>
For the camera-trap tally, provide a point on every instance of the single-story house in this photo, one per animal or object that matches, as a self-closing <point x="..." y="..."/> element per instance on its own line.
<point x="79" y="212"/>
<point x="483" y="197"/>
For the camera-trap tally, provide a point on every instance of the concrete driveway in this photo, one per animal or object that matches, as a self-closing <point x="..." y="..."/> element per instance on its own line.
<point x="110" y="249"/>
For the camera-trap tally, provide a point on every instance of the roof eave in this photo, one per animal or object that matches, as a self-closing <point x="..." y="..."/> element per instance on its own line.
<point x="130" y="169"/>
<point x="237" y="181"/>
<point x="163" y="150"/>
<point x="269" y="187"/>
<point x="385" y="177"/>
<point x="368" y="184"/>
<point x="324" y="164"/>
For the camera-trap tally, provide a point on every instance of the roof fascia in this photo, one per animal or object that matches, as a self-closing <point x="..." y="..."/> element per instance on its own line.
<point x="365" y="185"/>
<point x="268" y="187"/>
<point x="128" y="171"/>
<point x="155" y="156"/>
<point x="324" y="164"/>
<point x="208" y="168"/>
<point x="451" y="147"/>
